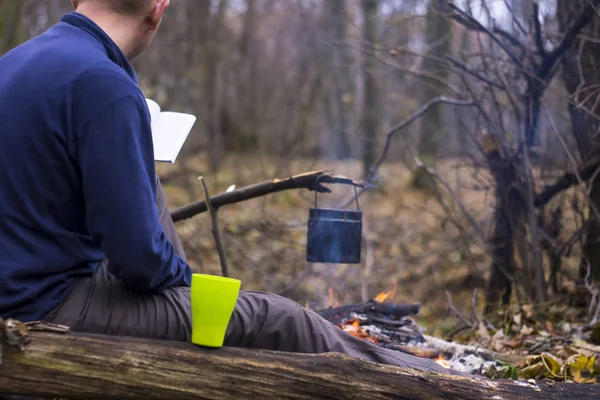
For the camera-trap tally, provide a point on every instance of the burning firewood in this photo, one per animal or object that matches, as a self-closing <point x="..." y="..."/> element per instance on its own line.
<point x="381" y="322"/>
<point x="391" y="326"/>
<point x="373" y="308"/>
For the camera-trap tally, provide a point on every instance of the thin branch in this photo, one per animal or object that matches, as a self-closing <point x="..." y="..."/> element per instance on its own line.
<point x="566" y="181"/>
<point x="369" y="262"/>
<point x="457" y="313"/>
<point x="573" y="163"/>
<point x="538" y="30"/>
<point x="412" y="118"/>
<point x="455" y="197"/>
<point x="514" y="17"/>
<point x="397" y="128"/>
<point x="594" y="307"/>
<point x="409" y="71"/>
<point x="510" y="38"/>
<point x="582" y="19"/>
<point x="568" y="245"/>
<point x="475" y="74"/>
<point x="474" y="315"/>
<point x="310" y="180"/>
<point x="293" y="285"/>
<point x="215" y="230"/>
<point x="472" y="23"/>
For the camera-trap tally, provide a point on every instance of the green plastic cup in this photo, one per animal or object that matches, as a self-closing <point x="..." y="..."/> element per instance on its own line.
<point x="213" y="300"/>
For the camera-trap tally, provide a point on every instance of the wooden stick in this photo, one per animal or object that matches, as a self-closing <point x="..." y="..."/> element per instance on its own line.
<point x="335" y="315"/>
<point x="422" y="352"/>
<point x="215" y="230"/>
<point x="310" y="180"/>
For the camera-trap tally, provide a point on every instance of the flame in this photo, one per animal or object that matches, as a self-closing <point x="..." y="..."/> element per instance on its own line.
<point x="353" y="327"/>
<point x="442" y="361"/>
<point x="383" y="296"/>
<point x="333" y="301"/>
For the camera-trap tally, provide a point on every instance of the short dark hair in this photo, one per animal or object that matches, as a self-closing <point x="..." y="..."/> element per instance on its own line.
<point x="122" y="6"/>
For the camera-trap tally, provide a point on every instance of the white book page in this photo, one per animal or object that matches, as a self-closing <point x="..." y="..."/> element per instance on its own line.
<point x="169" y="134"/>
<point x="169" y="131"/>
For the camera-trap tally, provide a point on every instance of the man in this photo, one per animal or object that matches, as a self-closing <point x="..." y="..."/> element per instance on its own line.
<point x="86" y="239"/>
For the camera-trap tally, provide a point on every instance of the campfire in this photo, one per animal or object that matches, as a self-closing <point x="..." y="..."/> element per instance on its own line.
<point x="392" y="326"/>
<point x="354" y="326"/>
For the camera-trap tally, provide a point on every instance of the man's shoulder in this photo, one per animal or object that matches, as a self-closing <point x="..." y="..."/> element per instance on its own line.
<point x="105" y="75"/>
<point x="65" y="57"/>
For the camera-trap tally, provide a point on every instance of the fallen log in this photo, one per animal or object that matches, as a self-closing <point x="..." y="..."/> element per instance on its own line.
<point x="83" y="366"/>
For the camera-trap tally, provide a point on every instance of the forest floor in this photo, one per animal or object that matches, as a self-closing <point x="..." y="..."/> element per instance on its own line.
<point x="410" y="244"/>
<point x="409" y="240"/>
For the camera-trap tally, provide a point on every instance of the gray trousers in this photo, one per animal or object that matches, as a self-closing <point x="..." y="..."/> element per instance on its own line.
<point x="102" y="304"/>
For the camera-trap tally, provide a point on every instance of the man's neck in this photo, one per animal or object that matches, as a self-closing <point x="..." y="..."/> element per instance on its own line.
<point x="121" y="29"/>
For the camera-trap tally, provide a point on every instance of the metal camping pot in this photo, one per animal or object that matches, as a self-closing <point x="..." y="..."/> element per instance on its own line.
<point x="334" y="236"/>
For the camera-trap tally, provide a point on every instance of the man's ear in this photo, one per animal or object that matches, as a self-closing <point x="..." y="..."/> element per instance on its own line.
<point x="157" y="13"/>
<point x="75" y="3"/>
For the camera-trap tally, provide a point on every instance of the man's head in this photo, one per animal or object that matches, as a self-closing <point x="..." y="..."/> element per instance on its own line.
<point x="132" y="24"/>
<point x="131" y="7"/>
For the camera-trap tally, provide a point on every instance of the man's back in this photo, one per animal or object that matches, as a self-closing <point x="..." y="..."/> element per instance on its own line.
<point x="60" y="94"/>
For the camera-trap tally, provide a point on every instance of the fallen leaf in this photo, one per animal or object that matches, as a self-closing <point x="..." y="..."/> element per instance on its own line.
<point x="526" y="330"/>
<point x="552" y="364"/>
<point x="498" y="335"/>
<point x="582" y="368"/>
<point x="533" y="371"/>
<point x="483" y="333"/>
<point x="514" y="343"/>
<point x="570" y="351"/>
<point x="527" y="310"/>
<point x="517" y="318"/>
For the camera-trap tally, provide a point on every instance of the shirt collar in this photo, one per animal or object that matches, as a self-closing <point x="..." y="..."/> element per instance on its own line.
<point x="112" y="50"/>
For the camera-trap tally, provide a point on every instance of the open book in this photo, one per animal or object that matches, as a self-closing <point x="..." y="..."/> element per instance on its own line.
<point x="169" y="131"/>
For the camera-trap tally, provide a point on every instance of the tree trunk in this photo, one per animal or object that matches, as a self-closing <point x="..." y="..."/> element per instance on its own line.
<point x="580" y="75"/>
<point x="212" y="77"/>
<point x="245" y="139"/>
<point x="437" y="39"/>
<point x="11" y="29"/>
<point x="522" y="11"/>
<point x="370" y="117"/>
<point x="509" y="214"/>
<point x="80" y="366"/>
<point x="340" y="67"/>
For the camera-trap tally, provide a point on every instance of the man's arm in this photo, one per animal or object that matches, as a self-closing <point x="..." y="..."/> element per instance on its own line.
<point x="116" y="159"/>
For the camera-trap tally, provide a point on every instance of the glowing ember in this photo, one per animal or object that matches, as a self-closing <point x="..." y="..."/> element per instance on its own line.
<point x="442" y="361"/>
<point x="353" y="327"/>
<point x="383" y="296"/>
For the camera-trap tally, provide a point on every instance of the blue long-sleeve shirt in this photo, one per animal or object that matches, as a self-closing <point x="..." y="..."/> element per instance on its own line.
<point x="77" y="173"/>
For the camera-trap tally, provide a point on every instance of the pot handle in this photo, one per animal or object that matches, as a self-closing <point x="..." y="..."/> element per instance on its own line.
<point x="353" y="185"/>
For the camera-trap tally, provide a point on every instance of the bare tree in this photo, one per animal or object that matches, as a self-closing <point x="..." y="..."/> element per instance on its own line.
<point x="580" y="75"/>
<point x="370" y="117"/>
<point x="438" y="42"/>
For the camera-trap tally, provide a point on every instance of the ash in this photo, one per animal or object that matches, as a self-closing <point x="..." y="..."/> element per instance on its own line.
<point x="407" y="332"/>
<point x="472" y="363"/>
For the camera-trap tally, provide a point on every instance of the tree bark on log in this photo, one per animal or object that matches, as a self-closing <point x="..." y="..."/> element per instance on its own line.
<point x="83" y="366"/>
